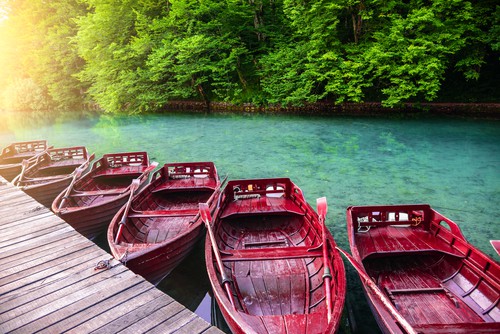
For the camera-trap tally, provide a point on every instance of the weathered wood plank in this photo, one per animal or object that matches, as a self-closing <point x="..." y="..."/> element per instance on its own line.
<point x="134" y="295"/>
<point x="48" y="281"/>
<point x="151" y="320"/>
<point x="13" y="227"/>
<point x="31" y="245"/>
<point x="39" y="274"/>
<point x="174" y="323"/>
<point x="33" y="234"/>
<point x="61" y="255"/>
<point x="126" y="317"/>
<point x="196" y="325"/>
<point x="59" y="288"/>
<point x="43" y="250"/>
<point x="44" y="315"/>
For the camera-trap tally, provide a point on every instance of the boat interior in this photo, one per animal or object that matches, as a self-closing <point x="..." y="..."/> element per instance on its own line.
<point x="169" y="206"/>
<point x="109" y="177"/>
<point x="422" y="262"/>
<point x="17" y="152"/>
<point x="272" y="250"/>
<point x="57" y="162"/>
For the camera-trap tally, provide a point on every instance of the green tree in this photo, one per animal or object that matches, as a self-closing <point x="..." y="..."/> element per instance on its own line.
<point x="35" y="39"/>
<point x="202" y="51"/>
<point x="347" y="49"/>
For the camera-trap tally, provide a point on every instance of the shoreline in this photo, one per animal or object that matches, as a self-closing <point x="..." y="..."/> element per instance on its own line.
<point x="372" y="109"/>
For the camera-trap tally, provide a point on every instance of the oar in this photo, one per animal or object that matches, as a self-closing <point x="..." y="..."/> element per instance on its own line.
<point x="215" y="193"/>
<point x="496" y="245"/>
<point x="133" y="187"/>
<point x="148" y="170"/>
<point x="378" y="294"/>
<point x="76" y="174"/>
<point x="207" y="219"/>
<point x="19" y="178"/>
<point x="322" y="208"/>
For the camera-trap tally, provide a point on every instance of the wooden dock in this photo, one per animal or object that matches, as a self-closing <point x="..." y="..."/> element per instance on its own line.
<point x="50" y="280"/>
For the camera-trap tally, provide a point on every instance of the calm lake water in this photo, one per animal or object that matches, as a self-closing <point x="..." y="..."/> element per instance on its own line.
<point x="452" y="164"/>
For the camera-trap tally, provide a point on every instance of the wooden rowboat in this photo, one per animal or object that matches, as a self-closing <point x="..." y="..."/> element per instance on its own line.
<point x="424" y="269"/>
<point x="13" y="155"/>
<point x="89" y="203"/>
<point x="51" y="172"/>
<point x="159" y="228"/>
<point x="271" y="261"/>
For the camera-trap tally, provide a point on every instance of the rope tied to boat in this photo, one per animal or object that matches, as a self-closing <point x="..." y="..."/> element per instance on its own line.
<point x="124" y="258"/>
<point x="102" y="264"/>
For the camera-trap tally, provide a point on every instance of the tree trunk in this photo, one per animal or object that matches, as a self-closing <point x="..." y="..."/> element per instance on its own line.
<point x="205" y="97"/>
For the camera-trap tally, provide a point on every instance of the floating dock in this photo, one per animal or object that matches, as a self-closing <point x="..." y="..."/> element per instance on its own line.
<point x="53" y="280"/>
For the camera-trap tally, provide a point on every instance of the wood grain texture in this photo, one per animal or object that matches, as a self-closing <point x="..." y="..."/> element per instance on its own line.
<point x="49" y="282"/>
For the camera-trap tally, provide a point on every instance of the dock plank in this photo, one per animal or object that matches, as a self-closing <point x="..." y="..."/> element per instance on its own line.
<point x="145" y="306"/>
<point x="49" y="282"/>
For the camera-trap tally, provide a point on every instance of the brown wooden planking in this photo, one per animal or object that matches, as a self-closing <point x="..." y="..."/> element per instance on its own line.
<point x="26" y="222"/>
<point x="120" y="317"/>
<point x="32" y="245"/>
<point x="39" y="274"/>
<point x="34" y="234"/>
<point x="59" y="288"/>
<point x="175" y="323"/>
<point x="48" y="282"/>
<point x="150" y="321"/>
<point x="43" y="251"/>
<point x="76" y="302"/>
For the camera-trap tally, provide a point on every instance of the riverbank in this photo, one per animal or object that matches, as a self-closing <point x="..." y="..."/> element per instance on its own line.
<point x="372" y="109"/>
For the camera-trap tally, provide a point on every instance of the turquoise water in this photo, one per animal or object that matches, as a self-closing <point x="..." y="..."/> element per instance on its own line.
<point x="452" y="164"/>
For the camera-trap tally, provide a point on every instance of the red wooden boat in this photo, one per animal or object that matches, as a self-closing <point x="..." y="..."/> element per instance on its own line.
<point x="89" y="203"/>
<point x="424" y="270"/>
<point x="271" y="261"/>
<point x="159" y="228"/>
<point x="13" y="155"/>
<point x="51" y="172"/>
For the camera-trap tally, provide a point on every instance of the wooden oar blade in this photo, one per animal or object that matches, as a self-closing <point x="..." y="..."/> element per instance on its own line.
<point x="205" y="212"/>
<point x="78" y="171"/>
<point x="322" y="206"/>
<point x="135" y="184"/>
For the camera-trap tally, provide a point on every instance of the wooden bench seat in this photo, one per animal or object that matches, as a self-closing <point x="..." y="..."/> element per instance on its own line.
<point x="116" y="191"/>
<point x="390" y="240"/>
<point x="191" y="183"/>
<point x="63" y="163"/>
<point x="164" y="213"/>
<point x="134" y="171"/>
<point x="271" y="253"/>
<point x="262" y="205"/>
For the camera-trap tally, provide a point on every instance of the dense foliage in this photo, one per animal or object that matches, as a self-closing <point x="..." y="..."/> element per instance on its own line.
<point x="137" y="55"/>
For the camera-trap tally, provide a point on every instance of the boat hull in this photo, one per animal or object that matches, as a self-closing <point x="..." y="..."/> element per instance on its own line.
<point x="155" y="263"/>
<point x="9" y="172"/>
<point x="92" y="220"/>
<point x="46" y="193"/>
<point x="89" y="203"/>
<point x="12" y="156"/>
<point x="419" y="259"/>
